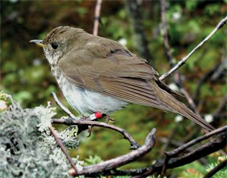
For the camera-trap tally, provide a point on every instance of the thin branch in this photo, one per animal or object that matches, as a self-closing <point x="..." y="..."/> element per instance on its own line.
<point x="167" y="47"/>
<point x="62" y="106"/>
<point x="81" y="122"/>
<point x="190" y="100"/>
<point x="203" y="79"/>
<point x="204" y="150"/>
<point x="59" y="142"/>
<point x="177" y="77"/>
<point x="200" y="152"/>
<point x="109" y="167"/>
<point x="180" y="63"/>
<point x="97" y="17"/>
<point x="165" y="146"/>
<point x="121" y="160"/>
<point x="164" y="167"/>
<point x="176" y="143"/>
<point x="196" y="154"/>
<point x="165" y="33"/>
<point x="170" y="60"/>
<point x="197" y="140"/>
<point x="216" y="169"/>
<point x="221" y="105"/>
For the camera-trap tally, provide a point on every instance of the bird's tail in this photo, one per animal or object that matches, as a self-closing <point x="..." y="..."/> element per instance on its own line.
<point x="173" y="105"/>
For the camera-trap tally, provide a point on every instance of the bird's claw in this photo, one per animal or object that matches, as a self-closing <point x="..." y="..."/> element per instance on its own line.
<point x="89" y="130"/>
<point x="109" y="119"/>
<point x="134" y="146"/>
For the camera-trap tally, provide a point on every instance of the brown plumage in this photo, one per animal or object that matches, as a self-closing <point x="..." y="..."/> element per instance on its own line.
<point x="98" y="65"/>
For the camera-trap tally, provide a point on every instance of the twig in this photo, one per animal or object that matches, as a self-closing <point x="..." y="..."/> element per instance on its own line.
<point x="163" y="172"/>
<point x="177" y="143"/>
<point x="59" y="142"/>
<point x="221" y="105"/>
<point x="190" y="100"/>
<point x="189" y="144"/>
<point x="216" y="169"/>
<point x="180" y="63"/>
<point x="177" y="77"/>
<point x="203" y="79"/>
<point x="109" y="167"/>
<point x="197" y="140"/>
<point x="165" y="33"/>
<point x="170" y="60"/>
<point x="165" y="146"/>
<point x="209" y="148"/>
<point x="62" y="106"/>
<point x="121" y="160"/>
<point x="196" y="154"/>
<point x="200" y="152"/>
<point x="97" y="17"/>
<point x="168" y="52"/>
<point x="70" y="121"/>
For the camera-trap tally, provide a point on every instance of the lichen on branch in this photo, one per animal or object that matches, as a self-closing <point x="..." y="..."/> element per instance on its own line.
<point x="27" y="148"/>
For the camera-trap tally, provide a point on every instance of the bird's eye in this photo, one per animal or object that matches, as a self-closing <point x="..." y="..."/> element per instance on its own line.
<point x="54" y="45"/>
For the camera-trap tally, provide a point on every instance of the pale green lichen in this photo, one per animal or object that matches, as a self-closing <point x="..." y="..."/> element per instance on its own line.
<point x="27" y="148"/>
<point x="44" y="116"/>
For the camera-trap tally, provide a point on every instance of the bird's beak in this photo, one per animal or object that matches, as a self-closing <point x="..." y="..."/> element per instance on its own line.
<point x="38" y="42"/>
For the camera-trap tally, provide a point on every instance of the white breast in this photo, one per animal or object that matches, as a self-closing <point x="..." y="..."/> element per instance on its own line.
<point x="87" y="102"/>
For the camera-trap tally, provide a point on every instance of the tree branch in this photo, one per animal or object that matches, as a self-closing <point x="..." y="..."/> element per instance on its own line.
<point x="165" y="33"/>
<point x="121" y="160"/>
<point x="184" y="60"/>
<point x="62" y="106"/>
<point x="196" y="154"/>
<point x="109" y="167"/>
<point x="59" y="142"/>
<point x="82" y="122"/>
<point x="97" y="17"/>
<point x="197" y="140"/>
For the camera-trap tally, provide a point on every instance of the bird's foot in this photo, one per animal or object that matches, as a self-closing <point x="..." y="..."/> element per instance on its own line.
<point x="92" y="117"/>
<point x="108" y="118"/>
<point x="89" y="130"/>
<point x="134" y="146"/>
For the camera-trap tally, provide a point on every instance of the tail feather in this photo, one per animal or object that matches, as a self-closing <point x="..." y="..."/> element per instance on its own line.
<point x="173" y="105"/>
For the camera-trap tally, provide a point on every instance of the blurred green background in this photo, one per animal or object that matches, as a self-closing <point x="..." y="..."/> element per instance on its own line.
<point x="25" y="73"/>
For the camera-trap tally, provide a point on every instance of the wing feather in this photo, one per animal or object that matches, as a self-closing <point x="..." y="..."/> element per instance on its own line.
<point x="115" y="72"/>
<point x="131" y="93"/>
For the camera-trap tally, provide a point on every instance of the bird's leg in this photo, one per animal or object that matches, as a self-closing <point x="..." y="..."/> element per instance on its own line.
<point x="108" y="118"/>
<point x="95" y="116"/>
<point x="89" y="130"/>
<point x="92" y="117"/>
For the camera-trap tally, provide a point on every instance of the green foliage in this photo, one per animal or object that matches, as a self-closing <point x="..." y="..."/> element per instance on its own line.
<point x="92" y="160"/>
<point x="3" y="95"/>
<point x="191" y="5"/>
<point x="223" y="172"/>
<point x="193" y="170"/>
<point x="196" y="170"/>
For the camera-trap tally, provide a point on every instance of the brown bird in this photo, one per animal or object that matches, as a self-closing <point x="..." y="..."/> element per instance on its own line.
<point x="97" y="74"/>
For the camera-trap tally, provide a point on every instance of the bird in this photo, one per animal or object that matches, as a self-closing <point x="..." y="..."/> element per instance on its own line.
<point x="97" y="74"/>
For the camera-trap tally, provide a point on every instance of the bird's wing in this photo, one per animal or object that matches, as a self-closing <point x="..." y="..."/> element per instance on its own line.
<point x="116" y="72"/>
<point x="112" y="70"/>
